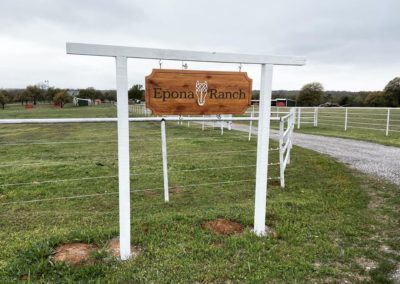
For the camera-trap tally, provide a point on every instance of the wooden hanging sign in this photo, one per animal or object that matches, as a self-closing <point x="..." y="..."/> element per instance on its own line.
<point x="191" y="92"/>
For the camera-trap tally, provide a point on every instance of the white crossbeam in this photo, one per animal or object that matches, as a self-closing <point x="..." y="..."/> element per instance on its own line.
<point x="181" y="55"/>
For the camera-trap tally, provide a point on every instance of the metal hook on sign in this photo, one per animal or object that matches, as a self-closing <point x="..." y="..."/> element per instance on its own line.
<point x="240" y="67"/>
<point x="184" y="66"/>
<point x="160" y="63"/>
<point x="180" y="117"/>
<point x="218" y="116"/>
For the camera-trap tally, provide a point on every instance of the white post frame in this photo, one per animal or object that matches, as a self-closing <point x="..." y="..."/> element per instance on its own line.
<point x="164" y="160"/>
<point x="388" y="122"/>
<point x="123" y="158"/>
<point x="123" y="52"/>
<point x="264" y="114"/>
<point x="346" y="118"/>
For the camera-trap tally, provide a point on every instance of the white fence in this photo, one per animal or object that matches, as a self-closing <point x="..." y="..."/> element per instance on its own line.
<point x="286" y="127"/>
<point x="386" y="120"/>
<point x="139" y="109"/>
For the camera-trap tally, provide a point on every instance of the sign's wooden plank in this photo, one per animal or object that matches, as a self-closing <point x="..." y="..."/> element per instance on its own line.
<point x="189" y="92"/>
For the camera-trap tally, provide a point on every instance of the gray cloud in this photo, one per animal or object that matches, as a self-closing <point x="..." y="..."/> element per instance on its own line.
<point x="349" y="44"/>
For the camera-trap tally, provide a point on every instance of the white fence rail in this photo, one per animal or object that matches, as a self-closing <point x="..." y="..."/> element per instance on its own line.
<point x="386" y="120"/>
<point x="139" y="109"/>
<point x="286" y="127"/>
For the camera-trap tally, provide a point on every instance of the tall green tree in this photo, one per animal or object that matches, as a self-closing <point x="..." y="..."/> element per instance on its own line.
<point x="392" y="92"/>
<point x="310" y="94"/>
<point x="62" y="98"/>
<point x="88" y="93"/>
<point x="50" y="93"/>
<point x="35" y="93"/>
<point x="376" y="99"/>
<point x="136" y="92"/>
<point x="4" y="98"/>
<point x="111" y="96"/>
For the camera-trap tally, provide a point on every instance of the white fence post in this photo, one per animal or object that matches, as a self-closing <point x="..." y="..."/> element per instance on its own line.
<point x="123" y="158"/>
<point x="164" y="160"/>
<point x="291" y="125"/>
<point x="202" y="124"/>
<point x="345" y="119"/>
<point x="315" y="117"/>
<point x="281" y="165"/>
<point x="262" y="149"/>
<point x="298" y="118"/>
<point x="387" y="122"/>
<point x="229" y="122"/>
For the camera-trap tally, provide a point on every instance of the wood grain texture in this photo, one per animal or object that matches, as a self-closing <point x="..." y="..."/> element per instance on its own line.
<point x="173" y="92"/>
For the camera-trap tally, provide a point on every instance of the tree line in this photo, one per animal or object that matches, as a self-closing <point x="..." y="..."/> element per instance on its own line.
<point x="313" y="94"/>
<point x="34" y="94"/>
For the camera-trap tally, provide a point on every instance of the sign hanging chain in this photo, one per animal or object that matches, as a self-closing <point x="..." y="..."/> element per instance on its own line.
<point x="184" y="65"/>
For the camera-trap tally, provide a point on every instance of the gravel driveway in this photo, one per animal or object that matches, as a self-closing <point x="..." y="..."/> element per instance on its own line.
<point x="379" y="160"/>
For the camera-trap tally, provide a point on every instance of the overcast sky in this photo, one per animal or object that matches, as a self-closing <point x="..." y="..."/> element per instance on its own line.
<point x="349" y="44"/>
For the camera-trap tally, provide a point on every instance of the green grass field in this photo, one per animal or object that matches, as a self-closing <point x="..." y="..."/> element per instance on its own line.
<point x="332" y="224"/>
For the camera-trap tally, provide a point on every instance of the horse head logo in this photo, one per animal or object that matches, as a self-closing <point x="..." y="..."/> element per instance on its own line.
<point x="201" y="92"/>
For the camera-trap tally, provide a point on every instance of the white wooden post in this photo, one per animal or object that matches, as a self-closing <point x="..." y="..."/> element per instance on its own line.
<point x="298" y="118"/>
<point x="345" y="119"/>
<point x="251" y="122"/>
<point x="281" y="168"/>
<point x="387" y="122"/>
<point x="315" y="117"/>
<point x="164" y="160"/>
<point x="202" y="125"/>
<point x="123" y="158"/>
<point x="262" y="149"/>
<point x="221" y="124"/>
<point x="291" y="125"/>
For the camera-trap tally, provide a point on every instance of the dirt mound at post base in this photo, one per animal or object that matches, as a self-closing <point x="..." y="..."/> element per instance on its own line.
<point x="113" y="248"/>
<point x="223" y="227"/>
<point x="74" y="253"/>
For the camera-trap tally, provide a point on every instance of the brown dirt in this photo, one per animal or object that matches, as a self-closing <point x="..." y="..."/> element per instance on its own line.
<point x="177" y="190"/>
<point x="74" y="253"/>
<point x="223" y="227"/>
<point x="274" y="183"/>
<point x="113" y="248"/>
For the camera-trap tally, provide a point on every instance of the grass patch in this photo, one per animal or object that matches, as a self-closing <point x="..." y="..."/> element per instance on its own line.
<point x="323" y="220"/>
